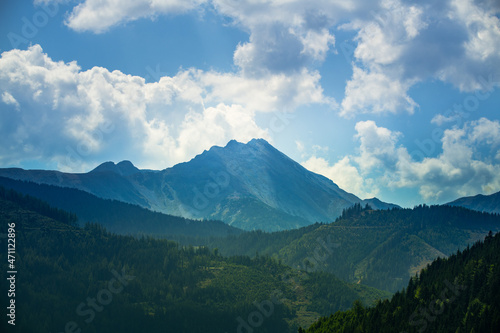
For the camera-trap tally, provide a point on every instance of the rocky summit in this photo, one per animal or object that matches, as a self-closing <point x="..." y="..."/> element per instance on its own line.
<point x="250" y="186"/>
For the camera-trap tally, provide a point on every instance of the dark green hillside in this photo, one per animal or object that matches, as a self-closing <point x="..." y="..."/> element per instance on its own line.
<point x="458" y="294"/>
<point x="71" y="277"/>
<point x="117" y="216"/>
<point x="378" y="248"/>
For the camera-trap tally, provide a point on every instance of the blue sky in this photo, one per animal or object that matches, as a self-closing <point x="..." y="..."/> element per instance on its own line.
<point x="395" y="99"/>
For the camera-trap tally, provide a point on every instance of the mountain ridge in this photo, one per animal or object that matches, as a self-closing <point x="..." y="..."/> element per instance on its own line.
<point x="250" y="186"/>
<point x="117" y="216"/>
<point x="378" y="248"/>
<point x="483" y="203"/>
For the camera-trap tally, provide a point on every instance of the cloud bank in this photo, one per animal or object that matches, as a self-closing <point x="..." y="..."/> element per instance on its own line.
<point x="397" y="44"/>
<point x="468" y="164"/>
<point x="55" y="110"/>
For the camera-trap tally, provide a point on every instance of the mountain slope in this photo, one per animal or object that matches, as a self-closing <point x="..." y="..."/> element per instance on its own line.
<point x="458" y="294"/>
<point x="152" y="285"/>
<point x="381" y="249"/>
<point x="116" y="216"/>
<point x="481" y="203"/>
<point x="250" y="186"/>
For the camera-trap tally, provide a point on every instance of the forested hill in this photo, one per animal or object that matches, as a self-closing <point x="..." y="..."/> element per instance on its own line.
<point x="72" y="278"/>
<point x="458" y="294"/>
<point x="381" y="248"/>
<point x="119" y="217"/>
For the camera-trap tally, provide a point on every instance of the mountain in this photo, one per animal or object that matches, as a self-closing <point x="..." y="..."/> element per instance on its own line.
<point x="457" y="294"/>
<point x="482" y="203"/>
<point x="249" y="186"/>
<point x="381" y="249"/>
<point x="87" y="279"/>
<point x="119" y="217"/>
<point x="124" y="168"/>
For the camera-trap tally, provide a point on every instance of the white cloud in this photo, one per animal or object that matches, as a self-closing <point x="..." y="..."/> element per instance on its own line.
<point x="485" y="130"/>
<point x="375" y="92"/>
<point x="344" y="174"/>
<point x="483" y="28"/>
<point x="377" y="146"/>
<point x="404" y="43"/>
<point x="98" y="16"/>
<point x="198" y="131"/>
<point x="398" y="42"/>
<point x="285" y="36"/>
<point x="266" y="93"/>
<point x="8" y="99"/>
<point x="468" y="164"/>
<point x="449" y="117"/>
<point x="98" y="115"/>
<point x="461" y="167"/>
<point x="457" y="170"/>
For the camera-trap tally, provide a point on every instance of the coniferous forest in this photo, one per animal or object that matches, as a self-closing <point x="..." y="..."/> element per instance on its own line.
<point x="457" y="294"/>
<point x="74" y="277"/>
<point x="71" y="278"/>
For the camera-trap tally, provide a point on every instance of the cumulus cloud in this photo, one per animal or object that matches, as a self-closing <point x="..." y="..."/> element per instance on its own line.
<point x="398" y="43"/>
<point x="377" y="146"/>
<point x="284" y="36"/>
<point x="98" y="16"/>
<point x="403" y="43"/>
<point x="70" y="116"/>
<point x="265" y="93"/>
<point x="198" y="131"/>
<point x="344" y="174"/>
<point x="463" y="167"/>
<point x="376" y="92"/>
<point x="469" y="163"/>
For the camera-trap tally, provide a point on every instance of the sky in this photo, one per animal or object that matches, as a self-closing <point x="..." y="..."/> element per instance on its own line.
<point x="396" y="99"/>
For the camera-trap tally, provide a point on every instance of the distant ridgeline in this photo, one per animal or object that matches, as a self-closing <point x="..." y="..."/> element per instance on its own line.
<point x="250" y="186"/>
<point x="73" y="278"/>
<point x="39" y="206"/>
<point x="458" y="294"/>
<point x="379" y="248"/>
<point x="117" y="216"/>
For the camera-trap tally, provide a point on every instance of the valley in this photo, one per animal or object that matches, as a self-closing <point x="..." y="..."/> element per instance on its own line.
<point x="183" y="268"/>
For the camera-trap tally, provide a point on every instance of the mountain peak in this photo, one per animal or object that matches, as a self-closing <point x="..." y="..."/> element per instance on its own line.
<point x="251" y="143"/>
<point x="252" y="186"/>
<point x="123" y="168"/>
<point x="233" y="143"/>
<point x="258" y="141"/>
